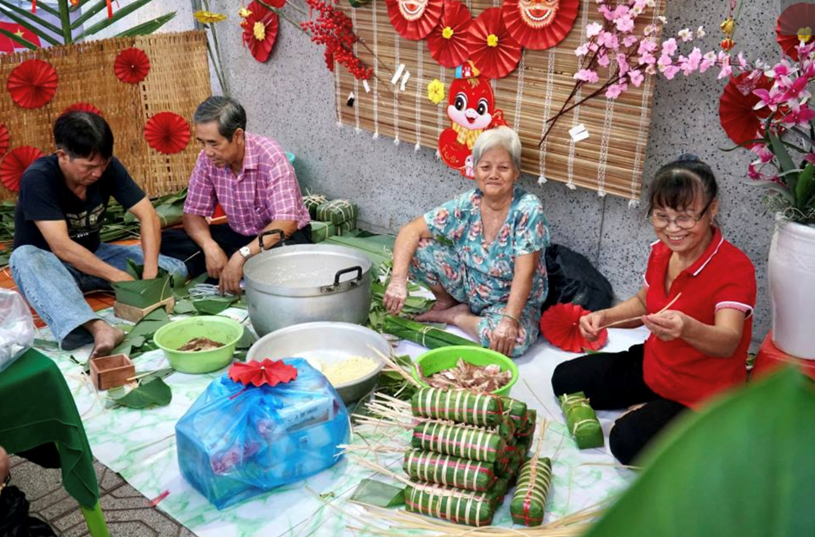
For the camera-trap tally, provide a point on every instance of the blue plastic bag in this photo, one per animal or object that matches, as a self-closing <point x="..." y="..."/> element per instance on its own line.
<point x="236" y="442"/>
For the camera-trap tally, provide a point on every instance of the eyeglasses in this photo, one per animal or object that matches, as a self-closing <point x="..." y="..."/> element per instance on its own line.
<point x="683" y="221"/>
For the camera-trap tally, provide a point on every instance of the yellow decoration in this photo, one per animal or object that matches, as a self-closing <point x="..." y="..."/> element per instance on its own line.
<point x="19" y="33"/>
<point x="259" y="29"/>
<point x="243" y="12"/>
<point x="727" y="26"/>
<point x="208" y="17"/>
<point x="466" y="136"/>
<point x="804" y="34"/>
<point x="435" y="91"/>
<point x="492" y="40"/>
<point x="447" y="33"/>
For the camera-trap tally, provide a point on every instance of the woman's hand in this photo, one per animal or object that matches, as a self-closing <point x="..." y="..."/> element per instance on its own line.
<point x="395" y="296"/>
<point x="591" y="324"/>
<point x="668" y="325"/>
<point x="504" y="336"/>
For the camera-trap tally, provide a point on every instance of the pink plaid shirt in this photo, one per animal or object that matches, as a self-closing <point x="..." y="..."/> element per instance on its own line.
<point x="264" y="191"/>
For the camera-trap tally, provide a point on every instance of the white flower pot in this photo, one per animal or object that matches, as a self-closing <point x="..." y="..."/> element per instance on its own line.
<point x="792" y="288"/>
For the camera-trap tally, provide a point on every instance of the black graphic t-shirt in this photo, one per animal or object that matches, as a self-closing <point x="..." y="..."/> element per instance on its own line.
<point x="44" y="195"/>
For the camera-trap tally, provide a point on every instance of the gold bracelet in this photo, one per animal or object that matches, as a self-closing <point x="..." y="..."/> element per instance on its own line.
<point x="510" y="316"/>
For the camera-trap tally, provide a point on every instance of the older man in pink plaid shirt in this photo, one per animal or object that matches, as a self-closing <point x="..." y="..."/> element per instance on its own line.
<point x="252" y="179"/>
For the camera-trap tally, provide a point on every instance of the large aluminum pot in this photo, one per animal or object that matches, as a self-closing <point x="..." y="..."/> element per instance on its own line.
<point x="306" y="283"/>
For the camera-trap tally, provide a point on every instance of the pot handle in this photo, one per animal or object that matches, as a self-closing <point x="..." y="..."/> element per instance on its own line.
<point x="348" y="270"/>
<point x="271" y="232"/>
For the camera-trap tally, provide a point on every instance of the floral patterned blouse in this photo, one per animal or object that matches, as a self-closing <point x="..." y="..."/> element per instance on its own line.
<point x="489" y="268"/>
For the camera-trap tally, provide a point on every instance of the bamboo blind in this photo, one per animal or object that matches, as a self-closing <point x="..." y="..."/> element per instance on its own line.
<point x="609" y="161"/>
<point x="177" y="82"/>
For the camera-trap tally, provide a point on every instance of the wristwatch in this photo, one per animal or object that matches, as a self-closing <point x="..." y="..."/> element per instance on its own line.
<point x="245" y="252"/>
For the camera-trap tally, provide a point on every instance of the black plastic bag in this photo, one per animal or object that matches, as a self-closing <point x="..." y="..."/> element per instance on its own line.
<point x="14" y="518"/>
<point x="573" y="279"/>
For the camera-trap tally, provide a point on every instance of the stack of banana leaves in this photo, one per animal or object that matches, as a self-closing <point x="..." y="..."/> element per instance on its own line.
<point x="118" y="223"/>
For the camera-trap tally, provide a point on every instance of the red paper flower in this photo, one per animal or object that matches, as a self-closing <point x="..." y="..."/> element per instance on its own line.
<point x="33" y="83"/>
<point x="167" y="133"/>
<point x="560" y="325"/>
<point x="492" y="49"/>
<point x="260" y="31"/>
<point x="4" y="140"/>
<point x="736" y="114"/>
<point x="269" y="372"/>
<point x="414" y="19"/>
<point x="131" y="65"/>
<point x="790" y="24"/>
<point x="15" y="163"/>
<point x="448" y="40"/>
<point x="82" y="107"/>
<point x="539" y="24"/>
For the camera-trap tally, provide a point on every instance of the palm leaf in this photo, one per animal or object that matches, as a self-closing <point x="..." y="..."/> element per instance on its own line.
<point x="22" y="22"/>
<point x="119" y="15"/>
<point x="148" y="27"/>
<point x="31" y="17"/>
<point x="22" y="40"/>
<point x="79" y="5"/>
<point x="88" y="13"/>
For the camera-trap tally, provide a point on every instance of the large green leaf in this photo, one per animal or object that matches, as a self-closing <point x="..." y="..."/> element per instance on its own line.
<point x="148" y="27"/>
<point x="742" y="468"/>
<point x="215" y="304"/>
<point x="155" y="392"/>
<point x="379" y="494"/>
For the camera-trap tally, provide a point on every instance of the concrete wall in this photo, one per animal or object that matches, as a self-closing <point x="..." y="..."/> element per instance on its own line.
<point x="291" y="99"/>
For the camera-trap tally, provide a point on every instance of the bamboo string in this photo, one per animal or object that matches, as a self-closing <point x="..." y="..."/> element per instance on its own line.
<point x="338" y="93"/>
<point x="374" y="9"/>
<point x="601" y="167"/>
<point x="440" y="108"/>
<point x="419" y="87"/>
<point x="547" y="111"/>
<point x="519" y="97"/>
<point x="584" y="20"/>
<point x="396" y="44"/>
<point x="357" y="96"/>
<point x="671" y="303"/>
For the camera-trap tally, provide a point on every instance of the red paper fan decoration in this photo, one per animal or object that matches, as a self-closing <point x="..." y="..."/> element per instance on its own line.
<point x="83" y="107"/>
<point x="260" y="31"/>
<point x="167" y="133"/>
<point x="15" y="163"/>
<point x="740" y="122"/>
<point x="795" y="18"/>
<point x="448" y="40"/>
<point x="131" y="65"/>
<point x="539" y="24"/>
<point x="493" y="51"/>
<point x="4" y="140"/>
<point x="33" y="83"/>
<point x="414" y="19"/>
<point x="560" y="325"/>
<point x="268" y="372"/>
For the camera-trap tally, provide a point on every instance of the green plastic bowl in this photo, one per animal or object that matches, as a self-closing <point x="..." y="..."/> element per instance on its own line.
<point x="443" y="358"/>
<point x="173" y="335"/>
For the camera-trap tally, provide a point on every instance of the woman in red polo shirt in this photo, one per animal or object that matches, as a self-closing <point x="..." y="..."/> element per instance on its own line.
<point x="697" y="347"/>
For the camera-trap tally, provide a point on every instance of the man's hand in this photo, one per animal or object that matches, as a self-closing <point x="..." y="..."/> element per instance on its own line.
<point x="231" y="275"/>
<point x="150" y="272"/>
<point x="122" y="276"/>
<point x="216" y="260"/>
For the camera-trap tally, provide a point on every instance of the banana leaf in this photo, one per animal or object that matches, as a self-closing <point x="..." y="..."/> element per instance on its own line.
<point x="214" y="304"/>
<point x="152" y="393"/>
<point x="423" y="334"/>
<point x="378" y="494"/>
<point x="143" y="293"/>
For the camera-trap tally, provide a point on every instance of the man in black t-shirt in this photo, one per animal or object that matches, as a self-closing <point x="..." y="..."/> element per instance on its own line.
<point x="57" y="250"/>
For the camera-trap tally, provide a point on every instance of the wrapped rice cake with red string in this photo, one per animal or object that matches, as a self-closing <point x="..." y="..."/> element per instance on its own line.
<point x="448" y="470"/>
<point x="529" y="501"/>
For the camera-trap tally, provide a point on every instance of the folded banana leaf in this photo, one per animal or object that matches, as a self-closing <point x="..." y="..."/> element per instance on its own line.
<point x="143" y="293"/>
<point x="423" y="334"/>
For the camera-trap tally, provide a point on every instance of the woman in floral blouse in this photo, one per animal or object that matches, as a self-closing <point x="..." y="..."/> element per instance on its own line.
<point x="481" y="254"/>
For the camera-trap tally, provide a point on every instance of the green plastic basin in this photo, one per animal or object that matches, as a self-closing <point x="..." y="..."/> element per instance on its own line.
<point x="447" y="358"/>
<point x="173" y="335"/>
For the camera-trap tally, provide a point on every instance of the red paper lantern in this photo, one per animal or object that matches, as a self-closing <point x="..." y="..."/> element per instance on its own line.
<point x="560" y="325"/>
<point x="539" y="24"/>
<point x="260" y="31"/>
<point x="793" y="19"/>
<point x="131" y="65"/>
<point x="33" y="83"/>
<point x="492" y="49"/>
<point x="5" y="140"/>
<point x="15" y="164"/>
<point x="167" y="133"/>
<point x="268" y="372"/>
<point x="82" y="107"/>
<point x="414" y="19"/>
<point x="448" y="40"/>
<point x="739" y="120"/>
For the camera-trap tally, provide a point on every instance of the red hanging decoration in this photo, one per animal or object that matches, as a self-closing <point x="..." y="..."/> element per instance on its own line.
<point x="167" y="133"/>
<point x="33" y="83"/>
<point x="560" y="325"/>
<point x="83" y="107"/>
<point x="414" y="19"/>
<point x="131" y="65"/>
<point x="110" y="9"/>
<point x="268" y="372"/>
<point x="260" y="31"/>
<point x="5" y="140"/>
<point x="33" y="6"/>
<point x="795" y="18"/>
<point x="15" y="164"/>
<point x="492" y="49"/>
<point x="539" y="24"/>
<point x="739" y="120"/>
<point x="448" y="40"/>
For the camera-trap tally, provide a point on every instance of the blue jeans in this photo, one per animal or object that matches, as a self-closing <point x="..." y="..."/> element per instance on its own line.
<point x="54" y="288"/>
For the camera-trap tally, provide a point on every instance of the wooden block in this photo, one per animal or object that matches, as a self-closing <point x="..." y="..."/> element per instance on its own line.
<point x="134" y="314"/>
<point x="111" y="371"/>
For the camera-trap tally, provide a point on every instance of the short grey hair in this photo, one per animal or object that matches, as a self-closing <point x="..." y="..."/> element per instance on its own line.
<point x="502" y="137"/>
<point x="228" y="112"/>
